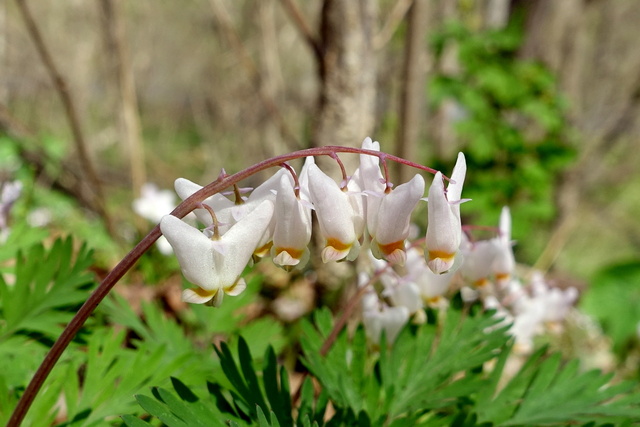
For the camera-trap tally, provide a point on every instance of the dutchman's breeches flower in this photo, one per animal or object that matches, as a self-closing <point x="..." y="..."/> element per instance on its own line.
<point x="393" y="219"/>
<point x="293" y="227"/>
<point x="336" y="217"/>
<point x="228" y="212"/>
<point x="216" y="263"/>
<point x="444" y="230"/>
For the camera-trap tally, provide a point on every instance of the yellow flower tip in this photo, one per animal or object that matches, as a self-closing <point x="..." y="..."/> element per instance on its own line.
<point x="440" y="262"/>
<point x="503" y="277"/>
<point x="394" y="252"/>
<point x="287" y="256"/>
<point x="335" y="250"/>
<point x="198" y="295"/>
<point x="433" y="301"/>
<point x="263" y="250"/>
<point x="481" y="283"/>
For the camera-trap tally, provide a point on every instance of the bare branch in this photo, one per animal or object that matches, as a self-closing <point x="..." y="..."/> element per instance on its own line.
<point x="224" y="20"/>
<point x="392" y="23"/>
<point x="301" y="23"/>
<point x="70" y="109"/>
<point x="129" y="116"/>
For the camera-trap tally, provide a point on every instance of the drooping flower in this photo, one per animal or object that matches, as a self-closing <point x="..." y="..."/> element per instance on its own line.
<point x="444" y="230"/>
<point x="229" y="212"/>
<point x="153" y="204"/>
<point x="372" y="182"/>
<point x="391" y="320"/>
<point x="504" y="261"/>
<point x="215" y="264"/>
<point x="336" y="216"/>
<point x="432" y="286"/>
<point x="292" y="227"/>
<point x="392" y="222"/>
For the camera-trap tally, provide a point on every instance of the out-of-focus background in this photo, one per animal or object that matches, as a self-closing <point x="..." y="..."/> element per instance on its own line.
<point x="543" y="96"/>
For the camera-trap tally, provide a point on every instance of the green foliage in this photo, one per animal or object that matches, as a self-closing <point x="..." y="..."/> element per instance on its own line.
<point x="450" y="371"/>
<point x="511" y="124"/>
<point x="40" y="289"/>
<point x="614" y="300"/>
<point x="47" y="286"/>
<point x="250" y="394"/>
<point x="545" y="392"/>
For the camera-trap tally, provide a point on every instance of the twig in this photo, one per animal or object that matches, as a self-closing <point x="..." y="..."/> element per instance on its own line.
<point x="188" y="205"/>
<point x="413" y="78"/>
<point x="74" y="122"/>
<point x="129" y="116"/>
<point x="301" y="24"/>
<point x="236" y="43"/>
<point x="392" y="23"/>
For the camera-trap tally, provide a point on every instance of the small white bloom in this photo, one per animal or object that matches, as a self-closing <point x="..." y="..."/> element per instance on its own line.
<point x="504" y="261"/>
<point x="154" y="203"/>
<point x="392" y="221"/>
<point x="391" y="320"/>
<point x="216" y="265"/>
<point x="336" y="217"/>
<point x="444" y="230"/>
<point x="228" y="213"/>
<point x="431" y="286"/>
<point x="292" y="227"/>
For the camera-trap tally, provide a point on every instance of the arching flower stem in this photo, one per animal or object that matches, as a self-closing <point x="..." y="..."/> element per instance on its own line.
<point x="222" y="182"/>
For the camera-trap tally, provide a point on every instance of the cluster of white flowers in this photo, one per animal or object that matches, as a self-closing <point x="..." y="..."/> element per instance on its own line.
<point x="485" y="270"/>
<point x="275" y="219"/>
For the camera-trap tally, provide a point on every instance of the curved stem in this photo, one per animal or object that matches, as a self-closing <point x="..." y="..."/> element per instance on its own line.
<point x="130" y="259"/>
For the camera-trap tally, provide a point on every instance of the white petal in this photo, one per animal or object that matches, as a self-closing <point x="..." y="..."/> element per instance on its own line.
<point x="292" y="220"/>
<point x="243" y="238"/>
<point x="236" y="289"/>
<point x="219" y="203"/>
<point x="395" y="211"/>
<point x="454" y="189"/>
<point x="194" y="252"/>
<point x="333" y="209"/>
<point x="197" y="296"/>
<point x="444" y="231"/>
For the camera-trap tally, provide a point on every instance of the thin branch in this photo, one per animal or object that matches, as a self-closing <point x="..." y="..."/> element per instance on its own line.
<point x="69" y="106"/>
<point x="413" y="77"/>
<point x="129" y="115"/>
<point x="392" y="23"/>
<point x="301" y="24"/>
<point x="224" y="20"/>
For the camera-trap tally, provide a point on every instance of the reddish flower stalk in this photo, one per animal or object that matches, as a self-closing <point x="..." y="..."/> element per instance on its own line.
<point x="224" y="181"/>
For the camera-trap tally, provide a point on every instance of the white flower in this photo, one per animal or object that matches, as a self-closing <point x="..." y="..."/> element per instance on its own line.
<point x="154" y="203"/>
<point x="391" y="225"/>
<point x="444" y="230"/>
<point x="478" y="261"/>
<point x="337" y="217"/>
<point x="391" y="320"/>
<point x="292" y="228"/>
<point x="504" y="261"/>
<point x="11" y="191"/>
<point x="216" y="265"/>
<point x="430" y="285"/>
<point x="372" y="182"/>
<point x="228" y="213"/>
